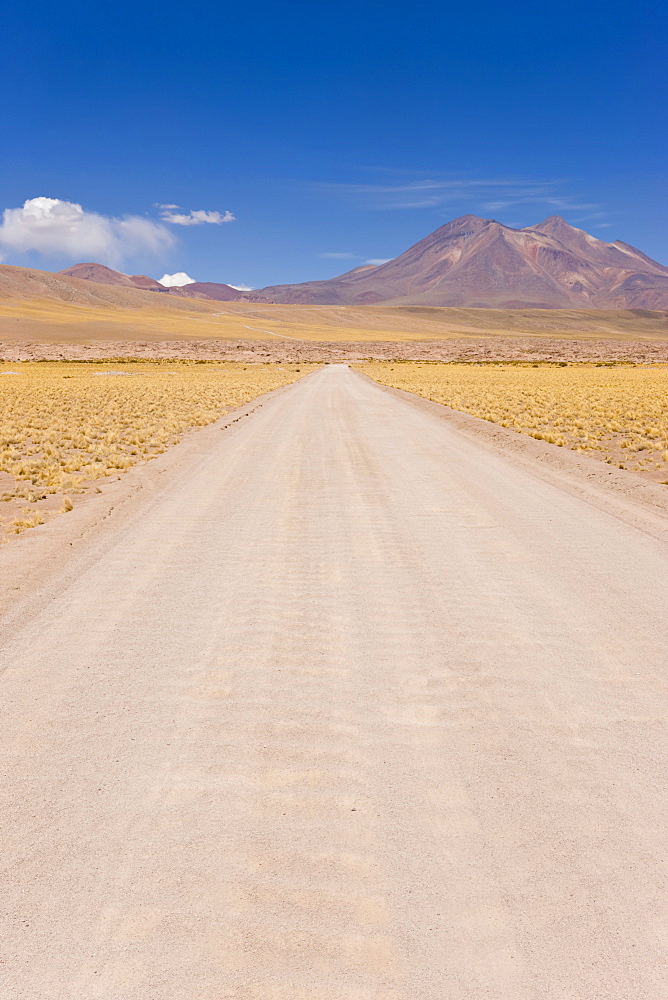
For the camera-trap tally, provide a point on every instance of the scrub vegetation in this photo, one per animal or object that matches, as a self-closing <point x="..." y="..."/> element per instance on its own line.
<point x="64" y="427"/>
<point x="617" y="413"/>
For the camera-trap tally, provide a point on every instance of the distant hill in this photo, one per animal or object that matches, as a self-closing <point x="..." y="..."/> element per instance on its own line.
<point x="106" y="276"/>
<point x="29" y="284"/>
<point x="195" y="290"/>
<point x="475" y="262"/>
<point x="215" y="290"/>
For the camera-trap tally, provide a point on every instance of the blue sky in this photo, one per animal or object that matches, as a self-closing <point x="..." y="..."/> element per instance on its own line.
<point x="334" y="133"/>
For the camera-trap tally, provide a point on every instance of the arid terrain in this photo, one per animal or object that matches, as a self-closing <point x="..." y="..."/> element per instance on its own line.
<point x="56" y="316"/>
<point x="333" y="502"/>
<point x="324" y="681"/>
<point x="353" y="697"/>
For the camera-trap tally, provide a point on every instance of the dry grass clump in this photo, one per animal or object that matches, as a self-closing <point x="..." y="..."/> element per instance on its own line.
<point x="65" y="425"/>
<point x="29" y="519"/>
<point x="618" y="414"/>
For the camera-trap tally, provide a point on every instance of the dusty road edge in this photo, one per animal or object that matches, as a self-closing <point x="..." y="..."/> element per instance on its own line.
<point x="617" y="492"/>
<point x="45" y="556"/>
<point x="29" y="565"/>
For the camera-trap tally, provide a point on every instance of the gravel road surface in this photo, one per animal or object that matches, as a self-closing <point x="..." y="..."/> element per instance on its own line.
<point x="353" y="708"/>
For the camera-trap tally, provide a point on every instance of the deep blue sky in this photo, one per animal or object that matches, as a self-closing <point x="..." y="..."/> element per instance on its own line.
<point x="335" y="128"/>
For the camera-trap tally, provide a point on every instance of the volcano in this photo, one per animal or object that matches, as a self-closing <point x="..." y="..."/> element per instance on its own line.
<point x="478" y="262"/>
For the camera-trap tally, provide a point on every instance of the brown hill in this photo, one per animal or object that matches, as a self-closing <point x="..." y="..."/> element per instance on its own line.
<point x="475" y="262"/>
<point x="29" y="284"/>
<point x="195" y="290"/>
<point x="213" y="290"/>
<point x="106" y="276"/>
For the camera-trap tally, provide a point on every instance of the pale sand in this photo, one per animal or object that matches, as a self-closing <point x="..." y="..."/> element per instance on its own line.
<point x="353" y="699"/>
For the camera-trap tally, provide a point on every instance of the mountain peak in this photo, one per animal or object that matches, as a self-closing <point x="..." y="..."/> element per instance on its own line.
<point x="554" y="224"/>
<point x="467" y="220"/>
<point x="465" y="225"/>
<point x="555" y="220"/>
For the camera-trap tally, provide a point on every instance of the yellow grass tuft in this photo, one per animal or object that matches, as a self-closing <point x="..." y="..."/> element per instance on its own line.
<point x="29" y="519"/>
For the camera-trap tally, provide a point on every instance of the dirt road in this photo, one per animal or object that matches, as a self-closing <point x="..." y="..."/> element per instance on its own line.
<point x="352" y="708"/>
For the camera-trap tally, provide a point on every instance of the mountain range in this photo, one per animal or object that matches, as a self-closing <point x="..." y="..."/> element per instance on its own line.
<point x="477" y="262"/>
<point x="470" y="262"/>
<point x="195" y="290"/>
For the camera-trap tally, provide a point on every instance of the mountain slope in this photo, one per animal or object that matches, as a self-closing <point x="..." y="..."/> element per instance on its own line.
<point x="479" y="262"/>
<point x="214" y="290"/>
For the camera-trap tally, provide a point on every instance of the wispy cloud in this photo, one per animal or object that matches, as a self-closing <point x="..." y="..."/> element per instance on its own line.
<point x="356" y="256"/>
<point x="540" y="198"/>
<point x="341" y="256"/>
<point x="198" y="217"/>
<point x="488" y="194"/>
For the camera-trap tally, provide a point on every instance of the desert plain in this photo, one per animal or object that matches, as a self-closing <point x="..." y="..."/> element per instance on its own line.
<point x="334" y="650"/>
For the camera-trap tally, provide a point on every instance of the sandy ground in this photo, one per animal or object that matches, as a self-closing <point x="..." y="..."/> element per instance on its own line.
<point x="350" y="699"/>
<point x="287" y="349"/>
<point x="86" y="313"/>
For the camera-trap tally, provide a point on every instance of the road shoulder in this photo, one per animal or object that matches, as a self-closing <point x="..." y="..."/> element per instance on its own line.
<point x="615" y="491"/>
<point x="43" y="557"/>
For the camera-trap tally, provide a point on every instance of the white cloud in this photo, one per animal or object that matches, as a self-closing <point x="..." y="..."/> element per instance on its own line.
<point x="177" y="280"/>
<point x="196" y="218"/>
<point x="51" y="226"/>
<point x="242" y="288"/>
<point x="377" y="261"/>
